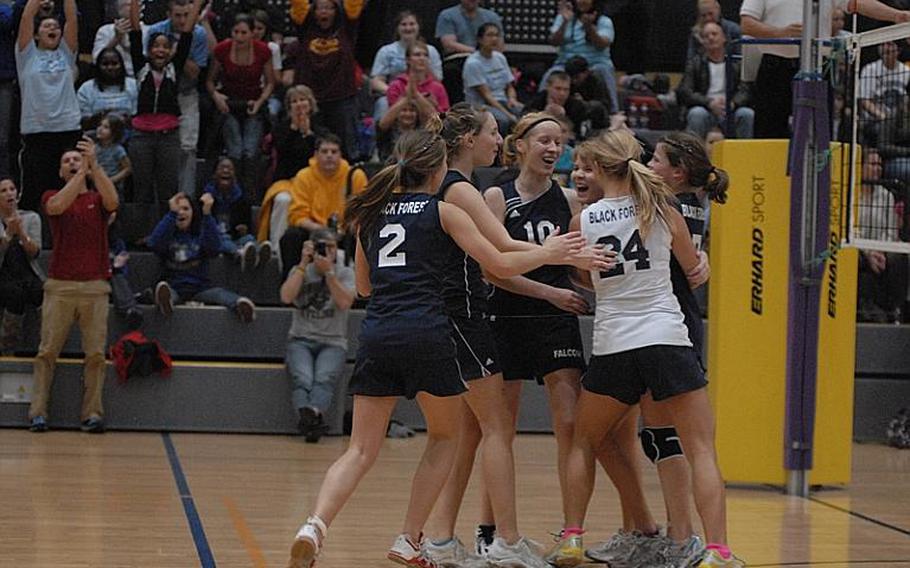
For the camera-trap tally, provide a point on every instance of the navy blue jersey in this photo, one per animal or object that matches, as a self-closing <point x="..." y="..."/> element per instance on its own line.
<point x="465" y="290"/>
<point x="533" y="221"/>
<point x="694" y="214"/>
<point x="407" y="252"/>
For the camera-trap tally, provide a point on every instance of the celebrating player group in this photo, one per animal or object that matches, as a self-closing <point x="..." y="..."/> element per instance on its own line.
<point x="483" y="291"/>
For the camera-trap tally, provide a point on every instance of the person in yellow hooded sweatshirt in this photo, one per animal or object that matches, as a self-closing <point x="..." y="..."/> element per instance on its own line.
<point x="317" y="198"/>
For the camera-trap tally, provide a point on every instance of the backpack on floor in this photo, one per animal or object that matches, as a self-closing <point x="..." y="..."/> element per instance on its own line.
<point x="136" y="355"/>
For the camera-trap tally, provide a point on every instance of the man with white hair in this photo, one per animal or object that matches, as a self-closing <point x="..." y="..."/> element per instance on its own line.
<point x="704" y="89"/>
<point x="709" y="11"/>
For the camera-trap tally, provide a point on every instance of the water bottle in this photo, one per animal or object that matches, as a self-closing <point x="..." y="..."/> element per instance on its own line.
<point x="333" y="222"/>
<point x="633" y="116"/>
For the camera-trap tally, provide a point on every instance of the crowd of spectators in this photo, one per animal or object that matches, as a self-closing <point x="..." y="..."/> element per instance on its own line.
<point x="267" y="98"/>
<point x="282" y="123"/>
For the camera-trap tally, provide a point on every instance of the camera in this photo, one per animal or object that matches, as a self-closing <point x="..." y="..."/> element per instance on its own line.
<point x="320" y="249"/>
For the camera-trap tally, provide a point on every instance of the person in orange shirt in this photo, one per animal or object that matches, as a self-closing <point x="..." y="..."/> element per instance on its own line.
<point x="317" y="198"/>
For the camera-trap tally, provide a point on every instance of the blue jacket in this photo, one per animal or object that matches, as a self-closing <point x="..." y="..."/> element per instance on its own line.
<point x="231" y="210"/>
<point x="185" y="255"/>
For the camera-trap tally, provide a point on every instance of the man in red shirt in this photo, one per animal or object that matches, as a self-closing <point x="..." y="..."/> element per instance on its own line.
<point x="77" y="287"/>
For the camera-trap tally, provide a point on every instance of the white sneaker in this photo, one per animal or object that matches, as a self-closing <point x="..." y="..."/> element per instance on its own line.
<point x="265" y="253"/>
<point x="246" y="309"/>
<point x="248" y="257"/>
<point x="452" y="555"/>
<point x="616" y="547"/>
<point x="522" y="554"/>
<point x="307" y="543"/>
<point x="164" y="298"/>
<point x="679" y="554"/>
<point x="405" y="551"/>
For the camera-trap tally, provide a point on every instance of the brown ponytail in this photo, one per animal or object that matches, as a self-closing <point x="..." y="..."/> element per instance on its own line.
<point x="460" y="121"/>
<point x="687" y="151"/>
<point x="419" y="154"/>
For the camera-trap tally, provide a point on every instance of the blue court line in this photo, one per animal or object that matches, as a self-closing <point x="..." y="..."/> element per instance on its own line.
<point x="206" y="559"/>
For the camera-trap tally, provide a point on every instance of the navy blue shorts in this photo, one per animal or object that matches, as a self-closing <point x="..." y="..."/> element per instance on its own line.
<point x="665" y="370"/>
<point x="477" y="354"/>
<point x="401" y="375"/>
<point x="532" y="347"/>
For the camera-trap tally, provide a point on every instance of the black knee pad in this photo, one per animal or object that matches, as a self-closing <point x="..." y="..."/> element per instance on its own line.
<point x="660" y="443"/>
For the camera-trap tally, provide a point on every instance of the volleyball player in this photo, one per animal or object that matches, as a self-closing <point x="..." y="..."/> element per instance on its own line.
<point x="534" y="316"/>
<point x="683" y="163"/>
<point x="472" y="140"/>
<point x="406" y="349"/>
<point x="640" y="340"/>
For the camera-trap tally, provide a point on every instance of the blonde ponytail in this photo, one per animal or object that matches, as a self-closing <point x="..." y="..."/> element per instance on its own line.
<point x="617" y="154"/>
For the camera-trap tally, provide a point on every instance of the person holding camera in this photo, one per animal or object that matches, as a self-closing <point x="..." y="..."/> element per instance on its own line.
<point x="322" y="291"/>
<point x="77" y="288"/>
<point x="580" y="29"/>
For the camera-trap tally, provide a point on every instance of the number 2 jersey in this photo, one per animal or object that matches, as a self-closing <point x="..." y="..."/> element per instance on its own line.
<point x="408" y="254"/>
<point x="635" y="302"/>
<point x="533" y="221"/>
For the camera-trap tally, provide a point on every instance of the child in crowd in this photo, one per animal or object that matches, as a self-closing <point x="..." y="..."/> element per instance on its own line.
<point x="185" y="239"/>
<point x="122" y="295"/>
<point x="409" y="112"/>
<point x="111" y="154"/>
<point x="565" y="163"/>
<point x="233" y="214"/>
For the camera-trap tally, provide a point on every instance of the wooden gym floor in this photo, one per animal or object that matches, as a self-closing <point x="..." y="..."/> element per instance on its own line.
<point x="147" y="500"/>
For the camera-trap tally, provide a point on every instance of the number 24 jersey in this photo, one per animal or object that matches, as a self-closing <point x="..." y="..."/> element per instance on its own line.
<point x="635" y="302"/>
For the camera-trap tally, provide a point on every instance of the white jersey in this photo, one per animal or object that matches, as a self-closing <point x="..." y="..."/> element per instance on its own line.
<point x="635" y="302"/>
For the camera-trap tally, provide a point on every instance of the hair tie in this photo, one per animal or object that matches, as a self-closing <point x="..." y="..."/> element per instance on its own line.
<point x="402" y="163"/>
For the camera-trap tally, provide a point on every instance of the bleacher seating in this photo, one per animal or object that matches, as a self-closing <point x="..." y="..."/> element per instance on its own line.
<point x="229" y="377"/>
<point x="260" y="284"/>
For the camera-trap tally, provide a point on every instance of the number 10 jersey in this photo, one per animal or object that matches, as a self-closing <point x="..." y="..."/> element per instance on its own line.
<point x="534" y="221"/>
<point x="635" y="302"/>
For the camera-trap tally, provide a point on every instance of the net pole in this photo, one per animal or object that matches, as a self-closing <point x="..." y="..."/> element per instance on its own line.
<point x="808" y="231"/>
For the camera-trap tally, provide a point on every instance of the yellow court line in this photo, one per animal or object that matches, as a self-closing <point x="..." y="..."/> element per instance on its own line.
<point x="246" y="535"/>
<point x="197" y="364"/>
